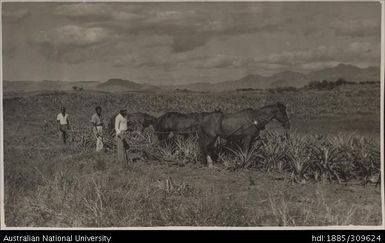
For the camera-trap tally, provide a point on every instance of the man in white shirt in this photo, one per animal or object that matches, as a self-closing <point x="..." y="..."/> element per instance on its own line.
<point x="121" y="130"/>
<point x="63" y="124"/>
<point x="97" y="122"/>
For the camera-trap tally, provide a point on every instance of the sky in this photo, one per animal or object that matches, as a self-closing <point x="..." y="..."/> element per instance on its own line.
<point x="184" y="42"/>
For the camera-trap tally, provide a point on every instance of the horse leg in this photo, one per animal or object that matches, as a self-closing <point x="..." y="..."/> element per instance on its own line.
<point x="246" y="143"/>
<point x="215" y="148"/>
<point x="160" y="137"/>
<point x="203" y="149"/>
<point x="163" y="136"/>
<point x="205" y="143"/>
<point x="210" y="149"/>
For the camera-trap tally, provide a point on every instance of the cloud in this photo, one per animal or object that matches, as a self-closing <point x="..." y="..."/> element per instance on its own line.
<point x="219" y="61"/>
<point x="134" y="60"/>
<point x="169" y="15"/>
<point x="97" y="11"/>
<point x="318" y="65"/>
<point x="182" y="43"/>
<point x="160" y="56"/>
<point x="133" y="19"/>
<point x="84" y="10"/>
<point x="72" y="35"/>
<point x="295" y="57"/>
<point x="152" y="40"/>
<point x="364" y="48"/>
<point x="15" y="16"/>
<point x="76" y="44"/>
<point x="69" y="43"/>
<point x="310" y="59"/>
<point x="357" y="27"/>
<point x="189" y="27"/>
<point x="138" y="28"/>
<point x="356" y="51"/>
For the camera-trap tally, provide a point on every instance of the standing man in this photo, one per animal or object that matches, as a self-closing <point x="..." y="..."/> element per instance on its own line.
<point x="97" y="123"/>
<point x="63" y="124"/>
<point x="121" y="130"/>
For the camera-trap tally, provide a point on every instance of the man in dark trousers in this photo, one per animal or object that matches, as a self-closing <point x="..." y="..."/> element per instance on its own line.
<point x="121" y="133"/>
<point x="63" y="124"/>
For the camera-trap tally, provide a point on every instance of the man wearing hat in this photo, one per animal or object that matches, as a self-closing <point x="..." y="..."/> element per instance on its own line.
<point x="121" y="130"/>
<point x="63" y="123"/>
<point x="97" y="123"/>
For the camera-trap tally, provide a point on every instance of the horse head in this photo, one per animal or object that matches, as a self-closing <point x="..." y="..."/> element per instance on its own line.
<point x="281" y="116"/>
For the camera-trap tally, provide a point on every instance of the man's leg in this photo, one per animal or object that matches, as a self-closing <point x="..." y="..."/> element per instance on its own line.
<point x="65" y="136"/>
<point x="99" y="144"/>
<point x="99" y="141"/>
<point x="120" y="148"/>
<point x="60" y="135"/>
<point x="63" y="133"/>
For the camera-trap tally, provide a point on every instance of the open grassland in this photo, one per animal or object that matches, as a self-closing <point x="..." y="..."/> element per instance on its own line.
<point x="320" y="175"/>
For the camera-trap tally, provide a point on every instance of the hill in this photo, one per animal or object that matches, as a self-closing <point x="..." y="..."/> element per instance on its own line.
<point x="348" y="72"/>
<point x="116" y="85"/>
<point x="249" y="81"/>
<point x="290" y="79"/>
<point x="111" y="85"/>
<point x="45" y="85"/>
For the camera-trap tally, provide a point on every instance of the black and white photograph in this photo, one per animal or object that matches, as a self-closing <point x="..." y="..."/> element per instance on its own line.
<point x="193" y="115"/>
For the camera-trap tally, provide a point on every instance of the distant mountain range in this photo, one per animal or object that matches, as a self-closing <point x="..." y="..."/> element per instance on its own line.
<point x="291" y="79"/>
<point x="256" y="81"/>
<point x="116" y="85"/>
<point x="283" y="79"/>
<point x="28" y="86"/>
<point x="347" y="72"/>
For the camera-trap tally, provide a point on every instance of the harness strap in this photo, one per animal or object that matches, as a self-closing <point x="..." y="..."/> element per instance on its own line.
<point x="256" y="123"/>
<point x="239" y="128"/>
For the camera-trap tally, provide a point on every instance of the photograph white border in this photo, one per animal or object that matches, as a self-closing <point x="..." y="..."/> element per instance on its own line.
<point x="353" y="227"/>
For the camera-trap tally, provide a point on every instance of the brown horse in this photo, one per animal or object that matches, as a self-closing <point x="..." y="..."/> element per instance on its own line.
<point x="180" y="123"/>
<point x="245" y="124"/>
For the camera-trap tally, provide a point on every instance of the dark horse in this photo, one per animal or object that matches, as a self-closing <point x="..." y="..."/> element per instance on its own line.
<point x="134" y="119"/>
<point x="245" y="124"/>
<point x="180" y="123"/>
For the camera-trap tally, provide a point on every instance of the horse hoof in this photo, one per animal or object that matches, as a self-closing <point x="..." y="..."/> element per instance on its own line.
<point x="209" y="161"/>
<point x="212" y="167"/>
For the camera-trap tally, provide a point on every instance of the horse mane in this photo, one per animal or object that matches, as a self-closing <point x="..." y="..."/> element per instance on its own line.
<point x="249" y="109"/>
<point x="281" y="106"/>
<point x="261" y="111"/>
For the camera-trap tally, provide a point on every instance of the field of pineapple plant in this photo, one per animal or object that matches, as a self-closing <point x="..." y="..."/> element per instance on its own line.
<point x="326" y="172"/>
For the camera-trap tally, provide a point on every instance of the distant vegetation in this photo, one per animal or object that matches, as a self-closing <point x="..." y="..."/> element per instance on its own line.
<point x="283" y="89"/>
<point x="77" y="88"/>
<point x="326" y="85"/>
<point x="183" y="90"/>
<point x="248" y="89"/>
<point x="312" y="85"/>
<point x="369" y="82"/>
